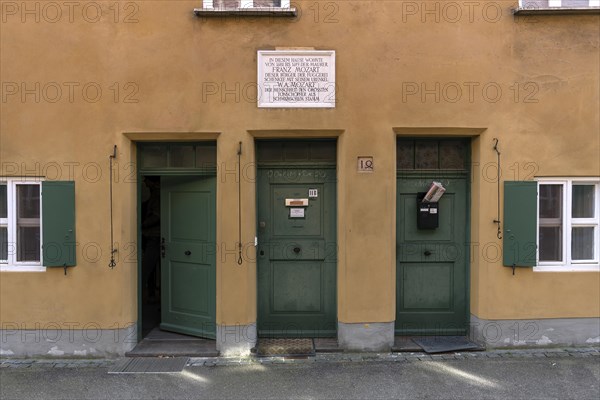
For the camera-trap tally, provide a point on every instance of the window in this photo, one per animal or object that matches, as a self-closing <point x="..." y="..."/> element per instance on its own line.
<point x="568" y="224"/>
<point x="191" y="156"/>
<point x="246" y="8"/>
<point x="431" y="154"/>
<point x="557" y="6"/>
<point x="234" y="4"/>
<point x="20" y="223"/>
<point x="37" y="224"/>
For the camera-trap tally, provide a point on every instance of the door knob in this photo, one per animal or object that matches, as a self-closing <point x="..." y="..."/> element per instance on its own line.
<point x="188" y="253"/>
<point x="297" y="250"/>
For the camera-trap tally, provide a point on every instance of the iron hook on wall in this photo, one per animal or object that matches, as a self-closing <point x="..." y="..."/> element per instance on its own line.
<point x="112" y="157"/>
<point x="497" y="220"/>
<point x="240" y="260"/>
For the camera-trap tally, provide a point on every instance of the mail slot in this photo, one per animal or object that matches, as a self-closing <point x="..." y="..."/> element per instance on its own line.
<point x="427" y="213"/>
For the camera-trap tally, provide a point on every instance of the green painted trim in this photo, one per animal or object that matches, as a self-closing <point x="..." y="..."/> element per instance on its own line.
<point x="139" y="252"/>
<point x="179" y="171"/>
<point x="426" y="173"/>
<point x="469" y="143"/>
<point x="298" y="164"/>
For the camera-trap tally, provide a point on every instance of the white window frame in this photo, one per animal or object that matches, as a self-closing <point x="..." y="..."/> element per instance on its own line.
<point x="11" y="264"/>
<point x="209" y="4"/>
<point x="568" y="222"/>
<point x="558" y="3"/>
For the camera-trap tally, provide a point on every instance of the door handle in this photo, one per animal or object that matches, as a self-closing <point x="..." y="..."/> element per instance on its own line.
<point x="188" y="253"/>
<point x="427" y="253"/>
<point x="297" y="250"/>
<point x="162" y="248"/>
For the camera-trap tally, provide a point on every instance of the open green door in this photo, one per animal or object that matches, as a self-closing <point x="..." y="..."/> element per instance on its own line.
<point x="188" y="276"/>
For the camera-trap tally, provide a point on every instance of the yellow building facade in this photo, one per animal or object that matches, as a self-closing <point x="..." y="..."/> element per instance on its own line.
<point x="419" y="92"/>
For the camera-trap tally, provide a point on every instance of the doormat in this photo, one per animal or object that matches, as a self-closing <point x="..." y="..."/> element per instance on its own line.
<point x="444" y="344"/>
<point x="149" y="365"/>
<point x="288" y="347"/>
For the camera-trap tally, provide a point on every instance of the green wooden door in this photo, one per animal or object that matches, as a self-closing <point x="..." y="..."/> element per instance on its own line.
<point x="297" y="253"/>
<point x="188" y="276"/>
<point x="431" y="275"/>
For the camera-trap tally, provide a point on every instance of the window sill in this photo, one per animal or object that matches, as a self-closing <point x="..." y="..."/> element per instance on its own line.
<point x="555" y="10"/>
<point x="568" y="268"/>
<point x="246" y="12"/>
<point x="22" y="268"/>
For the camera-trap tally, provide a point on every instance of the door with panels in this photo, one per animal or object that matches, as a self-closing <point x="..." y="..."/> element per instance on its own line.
<point x="432" y="238"/>
<point x="297" y="250"/>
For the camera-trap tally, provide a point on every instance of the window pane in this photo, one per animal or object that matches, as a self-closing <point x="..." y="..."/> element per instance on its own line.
<point x="3" y="203"/>
<point x="206" y="156"/>
<point x="224" y="4"/>
<point x="269" y="151"/>
<point x="426" y="154"/>
<point x="154" y="156"/>
<point x="28" y="243"/>
<point x="28" y="223"/>
<point x="551" y="201"/>
<point x="267" y="3"/>
<point x="575" y="3"/>
<point x="582" y="243"/>
<point x="583" y="201"/>
<point x="550" y="243"/>
<point x="182" y="156"/>
<point x="452" y="154"/>
<point x="405" y="150"/>
<point x="3" y="244"/>
<point x="295" y="151"/>
<point x="323" y="151"/>
<point x="28" y="201"/>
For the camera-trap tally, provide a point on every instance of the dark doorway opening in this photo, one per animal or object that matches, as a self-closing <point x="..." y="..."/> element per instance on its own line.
<point x="150" y="228"/>
<point x="176" y="234"/>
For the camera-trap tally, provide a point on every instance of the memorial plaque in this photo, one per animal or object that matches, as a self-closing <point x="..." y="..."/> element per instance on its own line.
<point x="296" y="79"/>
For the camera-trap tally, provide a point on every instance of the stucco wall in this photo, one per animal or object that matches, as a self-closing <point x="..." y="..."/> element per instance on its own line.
<point x="170" y="58"/>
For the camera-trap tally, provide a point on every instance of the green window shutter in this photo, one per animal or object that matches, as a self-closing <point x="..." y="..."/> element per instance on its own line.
<point x="58" y="224"/>
<point x="520" y="223"/>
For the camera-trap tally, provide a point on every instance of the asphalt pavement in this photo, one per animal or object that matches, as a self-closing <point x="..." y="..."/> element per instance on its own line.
<point x="550" y="376"/>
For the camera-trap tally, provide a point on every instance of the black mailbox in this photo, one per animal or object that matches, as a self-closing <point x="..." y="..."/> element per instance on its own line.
<point x="427" y="213"/>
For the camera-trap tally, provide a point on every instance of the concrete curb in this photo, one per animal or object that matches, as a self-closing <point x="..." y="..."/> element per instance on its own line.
<point x="319" y="358"/>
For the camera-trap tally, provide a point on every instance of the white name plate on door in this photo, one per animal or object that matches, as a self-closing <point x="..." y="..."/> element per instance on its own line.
<point x="296" y="79"/>
<point x="296" y="212"/>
